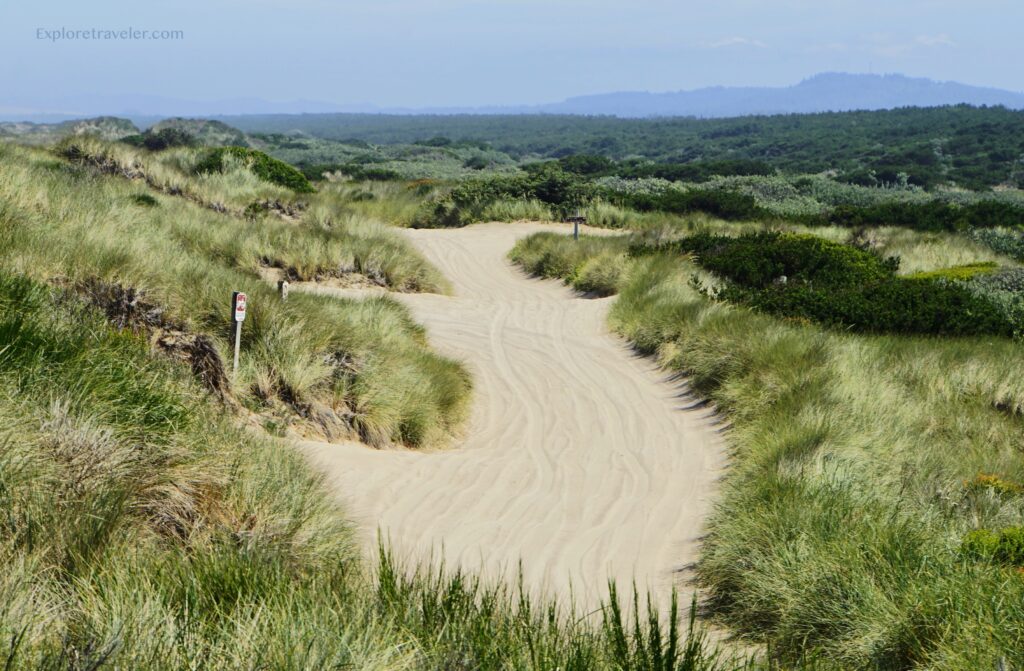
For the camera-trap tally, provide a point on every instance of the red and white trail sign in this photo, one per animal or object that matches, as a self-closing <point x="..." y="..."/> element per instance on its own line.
<point x="240" y="301"/>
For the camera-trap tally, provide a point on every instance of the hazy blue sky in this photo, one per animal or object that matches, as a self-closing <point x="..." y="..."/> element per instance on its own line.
<point x="479" y="52"/>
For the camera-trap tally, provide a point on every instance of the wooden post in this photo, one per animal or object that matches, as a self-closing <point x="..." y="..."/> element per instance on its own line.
<point x="239" y="302"/>
<point x="282" y="289"/>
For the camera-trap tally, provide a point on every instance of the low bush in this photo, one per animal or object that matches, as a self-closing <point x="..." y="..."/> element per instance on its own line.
<point x="265" y="167"/>
<point x="806" y="277"/>
<point x="934" y="215"/>
<point x="718" y="202"/>
<point x="759" y="259"/>
<point x="696" y="171"/>
<point x="145" y="200"/>
<point x="469" y="201"/>
<point x="893" y="305"/>
<point x="1010" y="243"/>
<point x="1005" y="546"/>
<point x="993" y="483"/>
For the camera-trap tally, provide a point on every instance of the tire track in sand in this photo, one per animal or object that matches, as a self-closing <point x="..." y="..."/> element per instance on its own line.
<point x="577" y="460"/>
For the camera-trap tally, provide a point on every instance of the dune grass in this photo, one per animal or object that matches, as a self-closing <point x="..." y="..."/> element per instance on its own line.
<point x="854" y="477"/>
<point x="143" y="528"/>
<point x="364" y="365"/>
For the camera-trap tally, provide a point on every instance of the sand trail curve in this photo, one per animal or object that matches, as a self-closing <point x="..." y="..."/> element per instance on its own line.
<point x="580" y="460"/>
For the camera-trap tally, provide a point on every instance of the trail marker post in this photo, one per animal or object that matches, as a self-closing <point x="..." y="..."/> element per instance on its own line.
<point x="238" y="306"/>
<point x="282" y="289"/>
<point x="576" y="225"/>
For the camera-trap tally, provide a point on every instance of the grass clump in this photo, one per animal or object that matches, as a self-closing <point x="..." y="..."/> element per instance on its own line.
<point x="590" y="265"/>
<point x="263" y="166"/>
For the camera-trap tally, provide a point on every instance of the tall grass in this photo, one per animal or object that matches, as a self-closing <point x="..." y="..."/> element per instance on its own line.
<point x="838" y="532"/>
<point x="364" y="363"/>
<point x="144" y="529"/>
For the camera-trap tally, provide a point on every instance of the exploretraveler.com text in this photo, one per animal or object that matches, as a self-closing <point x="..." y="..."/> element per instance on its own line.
<point x="68" y="34"/>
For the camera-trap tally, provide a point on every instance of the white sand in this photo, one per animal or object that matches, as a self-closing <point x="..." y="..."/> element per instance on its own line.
<point x="581" y="460"/>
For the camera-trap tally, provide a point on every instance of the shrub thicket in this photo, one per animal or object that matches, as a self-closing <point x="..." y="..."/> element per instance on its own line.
<point x="468" y="202"/>
<point x="165" y="138"/>
<point x="720" y="203"/>
<point x="807" y="277"/>
<point x="263" y="166"/>
<point x="928" y="216"/>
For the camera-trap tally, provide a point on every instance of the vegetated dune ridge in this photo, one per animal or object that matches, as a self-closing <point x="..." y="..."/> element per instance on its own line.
<point x="581" y="459"/>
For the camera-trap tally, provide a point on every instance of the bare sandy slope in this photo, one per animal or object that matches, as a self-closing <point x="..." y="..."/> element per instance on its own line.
<point x="580" y="459"/>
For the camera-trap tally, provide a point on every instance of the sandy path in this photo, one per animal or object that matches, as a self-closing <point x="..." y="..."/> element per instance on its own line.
<point x="580" y="458"/>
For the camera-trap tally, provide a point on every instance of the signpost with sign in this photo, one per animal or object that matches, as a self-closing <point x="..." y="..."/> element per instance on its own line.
<point x="238" y="307"/>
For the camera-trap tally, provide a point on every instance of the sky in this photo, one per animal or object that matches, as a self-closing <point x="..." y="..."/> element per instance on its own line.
<point x="436" y="53"/>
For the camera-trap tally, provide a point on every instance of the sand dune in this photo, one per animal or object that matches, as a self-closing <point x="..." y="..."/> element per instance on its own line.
<point x="581" y="459"/>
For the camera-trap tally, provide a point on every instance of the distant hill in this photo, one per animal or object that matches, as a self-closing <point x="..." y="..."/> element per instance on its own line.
<point x="106" y="127"/>
<point x="205" y="132"/>
<point x="831" y="92"/>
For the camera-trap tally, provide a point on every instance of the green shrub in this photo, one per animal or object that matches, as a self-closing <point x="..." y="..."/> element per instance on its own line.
<point x="806" y="277"/>
<point x="759" y="259"/>
<point x="893" y="305"/>
<point x="145" y="200"/>
<point x="166" y="138"/>
<point x="1005" y="546"/>
<point x="475" y="163"/>
<point x="470" y="200"/>
<point x="722" y="203"/>
<point x="993" y="483"/>
<point x="265" y="167"/>
<point x="934" y="215"/>
<point x="1010" y="243"/>
<point x="696" y="171"/>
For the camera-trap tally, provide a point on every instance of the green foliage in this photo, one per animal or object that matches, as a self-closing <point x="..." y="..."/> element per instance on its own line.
<point x="1010" y="243"/>
<point x="896" y="305"/>
<point x="475" y="163"/>
<point x="144" y="199"/>
<point x="263" y="166"/>
<point x="1005" y="546"/>
<point x="976" y="148"/>
<point x="468" y="201"/>
<point x="760" y="259"/>
<point x="958" y="273"/>
<point x="697" y="171"/>
<point x="166" y="138"/>
<point x="806" y="277"/>
<point x="587" y="164"/>
<point x="592" y="265"/>
<point x="720" y="203"/>
<point x="984" y="482"/>
<point x="929" y="216"/>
